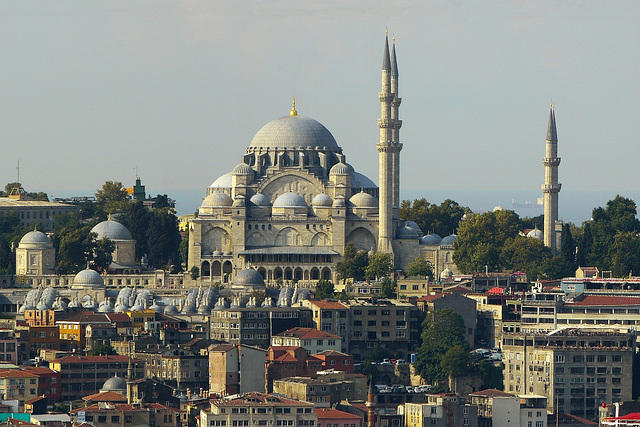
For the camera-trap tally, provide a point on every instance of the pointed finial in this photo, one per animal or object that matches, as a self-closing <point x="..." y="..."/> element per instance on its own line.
<point x="386" y="31"/>
<point x="393" y="39"/>
<point x="293" y="111"/>
<point x="551" y="105"/>
<point x="109" y="217"/>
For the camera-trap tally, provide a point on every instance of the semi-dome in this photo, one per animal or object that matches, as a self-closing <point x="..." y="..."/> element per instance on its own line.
<point x="225" y="181"/>
<point x="341" y="169"/>
<point x="217" y="199"/>
<point x="260" y="199"/>
<point x="449" y="240"/>
<point x="35" y="237"/>
<point x="339" y="202"/>
<point x="242" y="169"/>
<point x="111" y="230"/>
<point x="406" y="232"/>
<point x="430" y="240"/>
<point x="536" y="234"/>
<point x="249" y="277"/>
<point x="289" y="200"/>
<point x="88" y="278"/>
<point x="293" y="132"/>
<point x="116" y="384"/>
<point x="360" y="181"/>
<point x="363" y="200"/>
<point x="322" y="200"/>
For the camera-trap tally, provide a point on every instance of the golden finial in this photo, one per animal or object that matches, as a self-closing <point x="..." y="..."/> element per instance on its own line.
<point x="551" y="105"/>
<point x="386" y="31"/>
<point x="293" y="111"/>
<point x="109" y="217"/>
<point x="393" y="38"/>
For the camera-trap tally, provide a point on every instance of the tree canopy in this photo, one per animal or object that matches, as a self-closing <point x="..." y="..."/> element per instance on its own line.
<point x="420" y="267"/>
<point x="353" y="264"/>
<point x="441" y="219"/>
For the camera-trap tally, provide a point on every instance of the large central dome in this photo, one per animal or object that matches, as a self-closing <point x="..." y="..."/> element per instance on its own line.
<point x="293" y="132"/>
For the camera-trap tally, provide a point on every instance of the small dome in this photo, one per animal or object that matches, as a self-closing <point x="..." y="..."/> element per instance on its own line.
<point x="341" y="169"/>
<point x="227" y="253"/>
<point x="293" y="132"/>
<point x="406" y="232"/>
<point x="449" y="240"/>
<point x="242" y="169"/>
<point x="217" y="199"/>
<point x="322" y="200"/>
<point x="189" y="309"/>
<point x="157" y="308"/>
<point x="430" y="240"/>
<point x="446" y="274"/>
<point x="363" y="200"/>
<point x="249" y="277"/>
<point x="111" y="230"/>
<point x="413" y="225"/>
<point x="338" y="202"/>
<point x="171" y="309"/>
<point x="35" y="237"/>
<point x="290" y="200"/>
<point x="536" y="234"/>
<point x="88" y="279"/>
<point x="239" y="202"/>
<point x="204" y="309"/>
<point x="260" y="199"/>
<point x="116" y="384"/>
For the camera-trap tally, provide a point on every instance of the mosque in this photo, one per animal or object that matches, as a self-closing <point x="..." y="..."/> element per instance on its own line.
<point x="293" y="203"/>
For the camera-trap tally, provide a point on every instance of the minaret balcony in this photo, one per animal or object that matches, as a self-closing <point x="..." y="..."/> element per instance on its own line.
<point x="386" y="123"/>
<point x="551" y="188"/>
<point x="386" y="96"/>
<point x="551" y="161"/>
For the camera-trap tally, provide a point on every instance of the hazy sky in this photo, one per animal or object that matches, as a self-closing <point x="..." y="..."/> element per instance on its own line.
<point x="90" y="90"/>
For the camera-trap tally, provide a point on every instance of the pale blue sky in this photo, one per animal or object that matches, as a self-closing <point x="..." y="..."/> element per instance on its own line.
<point x="90" y="90"/>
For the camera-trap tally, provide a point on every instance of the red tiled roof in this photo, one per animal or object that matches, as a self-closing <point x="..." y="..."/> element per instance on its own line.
<point x="93" y="359"/>
<point x="40" y="370"/>
<point x="329" y="413"/>
<point x="16" y="373"/>
<point x="118" y="317"/>
<point x="105" y="396"/>
<point x="85" y="317"/>
<point x="17" y="422"/>
<point x="606" y="300"/>
<point x="308" y="333"/>
<point x="34" y="400"/>
<point x="115" y="407"/>
<point x="329" y="305"/>
<point x="429" y="298"/>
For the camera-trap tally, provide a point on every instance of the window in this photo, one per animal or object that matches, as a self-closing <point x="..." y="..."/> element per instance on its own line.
<point x="115" y="418"/>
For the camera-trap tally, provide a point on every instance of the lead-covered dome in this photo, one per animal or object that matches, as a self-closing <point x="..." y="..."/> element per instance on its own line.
<point x="217" y="199"/>
<point x="363" y="200"/>
<point x="341" y="169"/>
<point x="35" y="238"/>
<point x="116" y="384"/>
<point x="260" y="199"/>
<point x="431" y="240"/>
<point x="322" y="200"/>
<point x="111" y="230"/>
<point x="293" y="132"/>
<point x="242" y="169"/>
<point x="449" y="240"/>
<point x="289" y="200"/>
<point x="88" y="278"/>
<point x="249" y="277"/>
<point x="535" y="234"/>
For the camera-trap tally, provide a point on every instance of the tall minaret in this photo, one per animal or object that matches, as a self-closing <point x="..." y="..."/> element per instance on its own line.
<point x="388" y="150"/>
<point x="551" y="186"/>
<point x="395" y="131"/>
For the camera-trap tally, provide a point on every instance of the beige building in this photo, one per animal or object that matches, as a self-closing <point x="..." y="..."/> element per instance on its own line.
<point x="18" y="384"/>
<point x="293" y="203"/>
<point x="441" y="410"/>
<point x="35" y="255"/>
<point x="236" y="369"/>
<point x="258" y="409"/>
<point x="32" y="212"/>
<point x="576" y="369"/>
<point x="324" y="391"/>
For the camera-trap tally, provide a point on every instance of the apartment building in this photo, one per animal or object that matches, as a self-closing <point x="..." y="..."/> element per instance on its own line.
<point x="498" y="408"/>
<point x="441" y="410"/>
<point x="18" y="384"/>
<point x="325" y="390"/>
<point x="576" y="369"/>
<point x="254" y="326"/>
<point x="236" y="369"/>
<point x="258" y="409"/>
<point x="313" y="340"/>
<point x="175" y="367"/>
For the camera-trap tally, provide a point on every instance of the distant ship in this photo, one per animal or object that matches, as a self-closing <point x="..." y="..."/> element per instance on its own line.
<point x="527" y="205"/>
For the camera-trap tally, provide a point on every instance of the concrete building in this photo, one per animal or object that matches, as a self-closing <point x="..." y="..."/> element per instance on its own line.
<point x="32" y="212"/>
<point x="260" y="409"/>
<point x="551" y="187"/>
<point x="236" y="369"/>
<point x="497" y="408"/>
<point x="328" y="417"/>
<point x="176" y="367"/>
<point x="325" y="390"/>
<point x="283" y="362"/>
<point x="313" y="340"/>
<point x="441" y="410"/>
<point x="576" y="369"/>
<point x="18" y="384"/>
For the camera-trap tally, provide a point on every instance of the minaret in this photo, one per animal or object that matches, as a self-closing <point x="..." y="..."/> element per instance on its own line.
<point x="551" y="186"/>
<point x="395" y="131"/>
<point x="370" y="404"/>
<point x="388" y="150"/>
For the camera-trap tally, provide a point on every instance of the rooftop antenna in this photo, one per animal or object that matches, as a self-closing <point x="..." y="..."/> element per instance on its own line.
<point x="18" y="168"/>
<point x="136" y="169"/>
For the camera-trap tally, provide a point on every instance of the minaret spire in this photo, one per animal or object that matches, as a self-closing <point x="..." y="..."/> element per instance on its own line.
<point x="551" y="186"/>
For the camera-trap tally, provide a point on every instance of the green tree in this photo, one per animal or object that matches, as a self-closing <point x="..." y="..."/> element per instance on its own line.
<point x="79" y="247"/>
<point x="524" y="254"/>
<point x="353" y="263"/>
<point x="184" y="248"/>
<point x="380" y="265"/>
<point x="136" y="218"/>
<point x="324" y="289"/>
<point x="441" y="219"/>
<point x="490" y="374"/>
<point x="625" y="254"/>
<point x="163" y="239"/>
<point x="112" y="197"/>
<point x="387" y="288"/>
<point x="455" y="362"/>
<point x="195" y="272"/>
<point x="420" y="267"/>
<point x="533" y="222"/>
<point x="99" y="349"/>
<point x="441" y="331"/>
